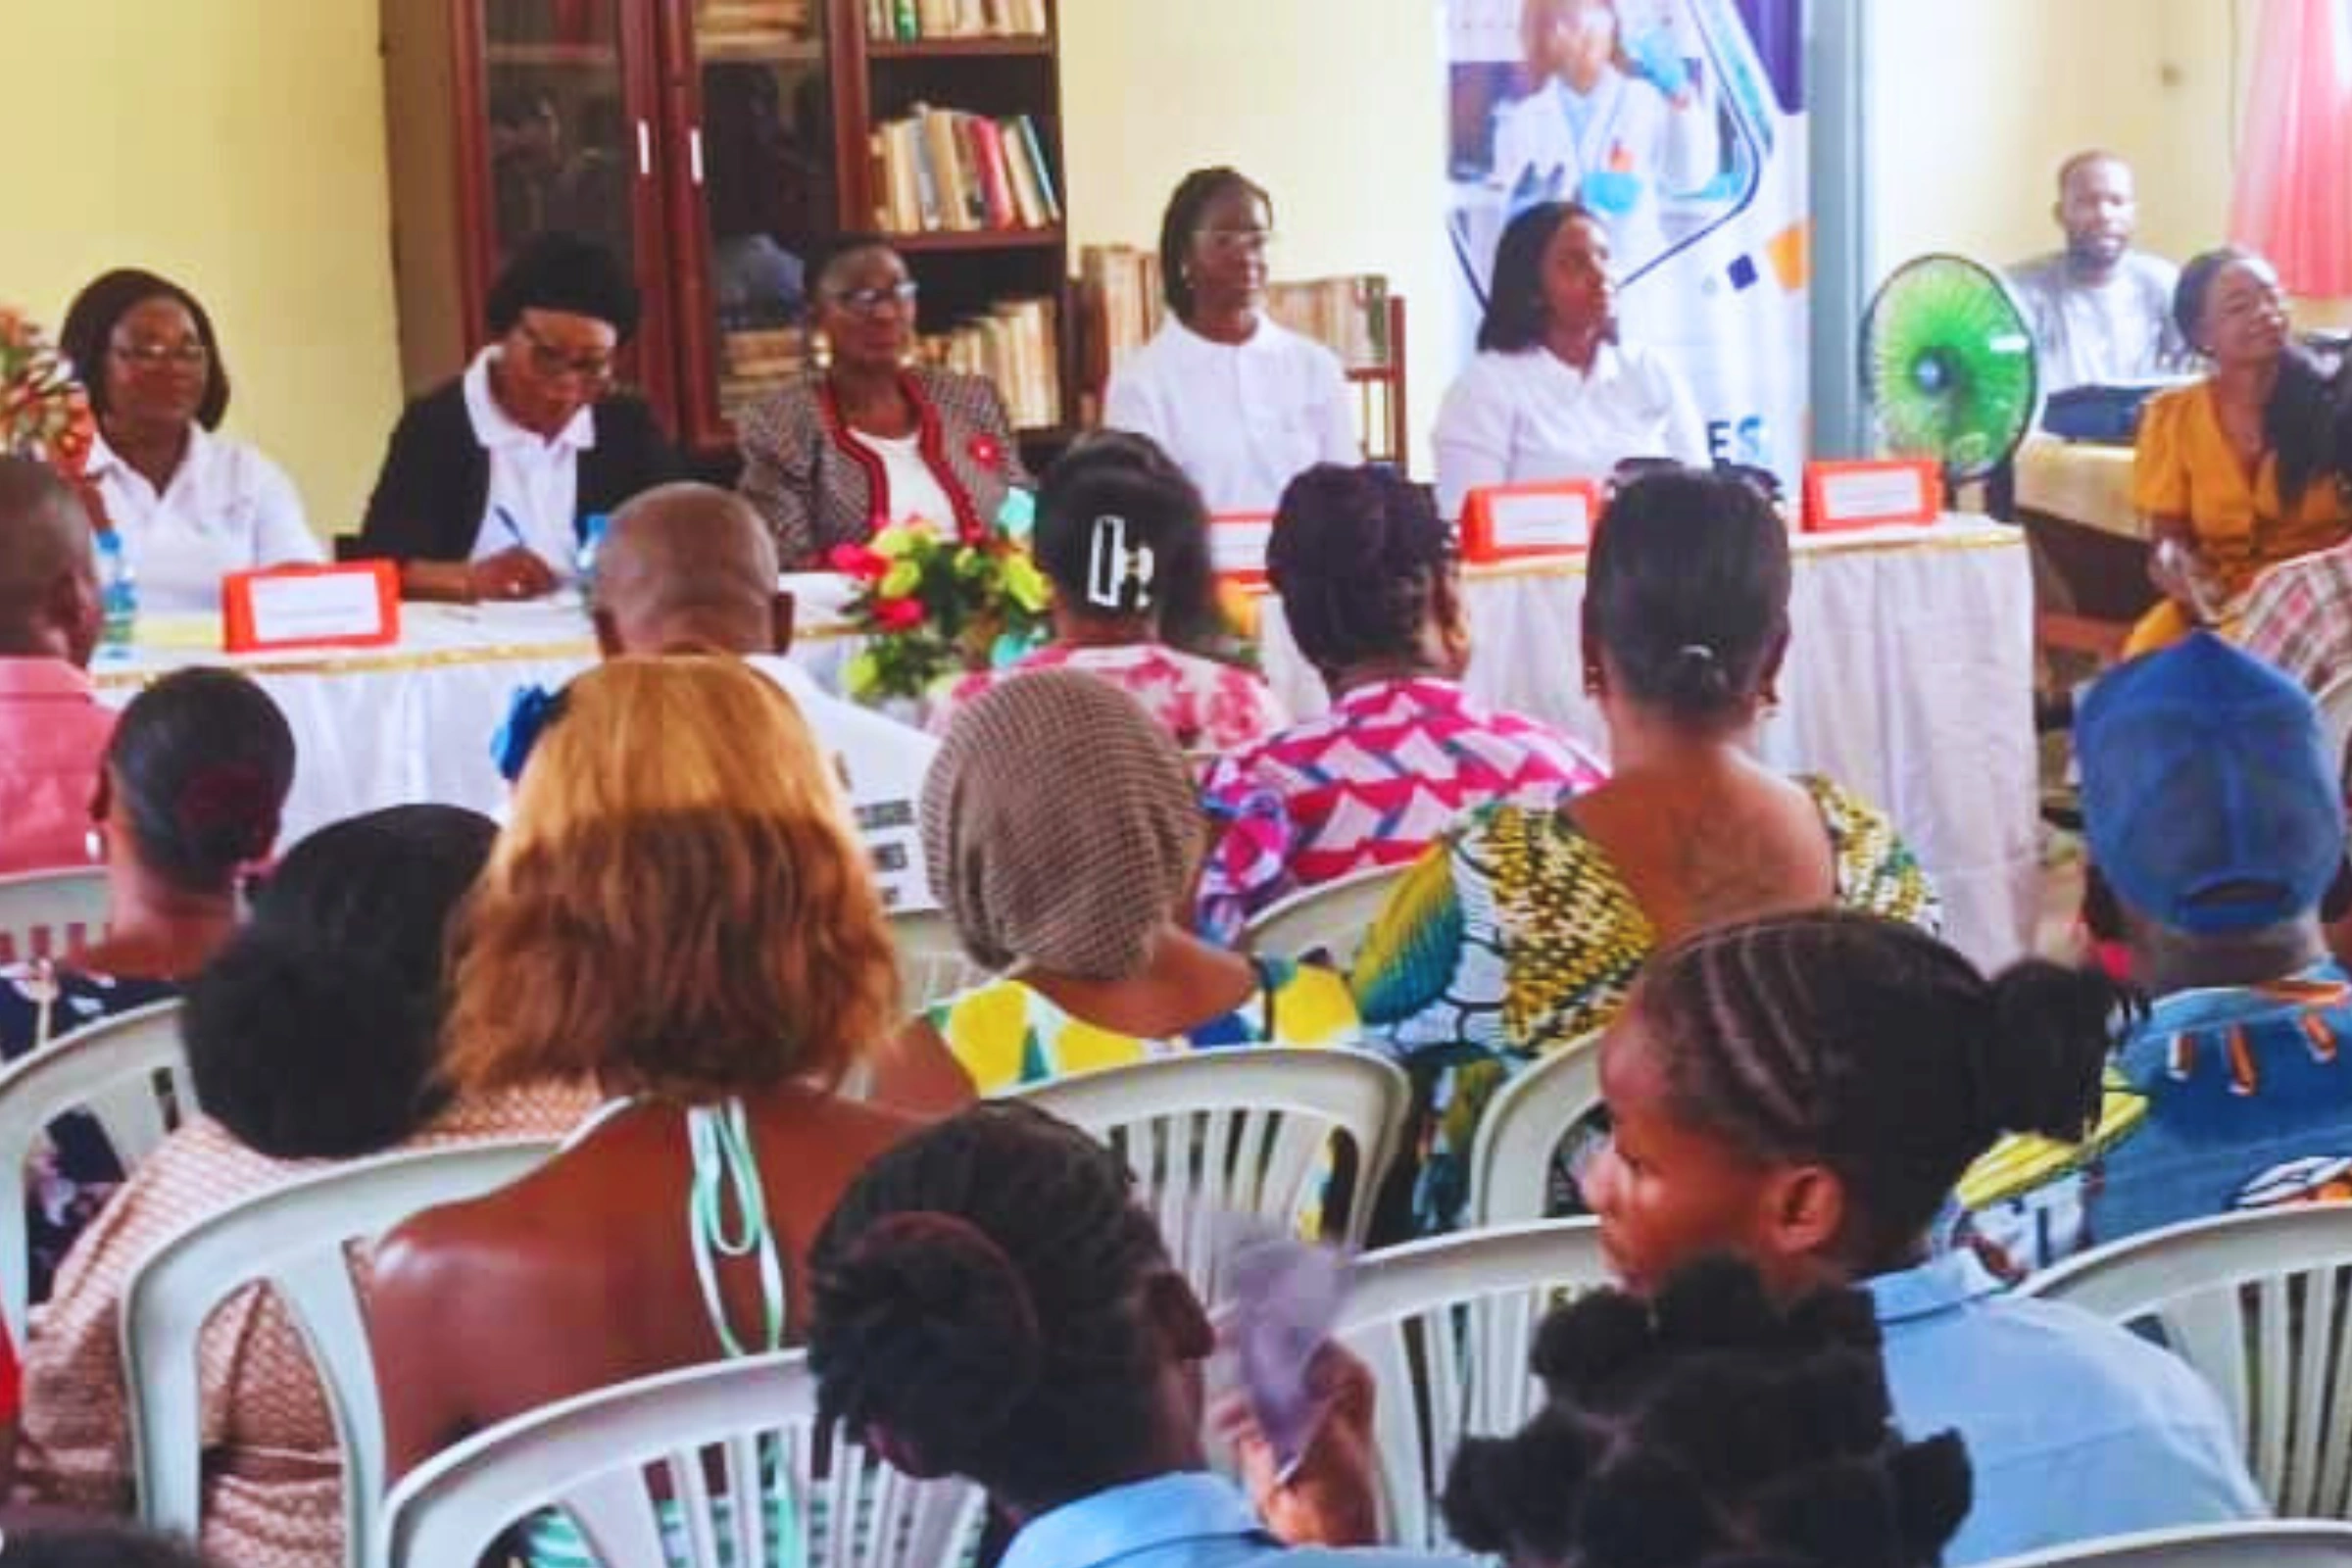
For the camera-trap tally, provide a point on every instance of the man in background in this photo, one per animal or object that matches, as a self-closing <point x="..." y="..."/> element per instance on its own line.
<point x="2102" y="311"/>
<point x="53" y="729"/>
<point x="689" y="568"/>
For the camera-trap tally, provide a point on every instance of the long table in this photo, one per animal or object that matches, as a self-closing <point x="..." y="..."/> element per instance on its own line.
<point x="1909" y="679"/>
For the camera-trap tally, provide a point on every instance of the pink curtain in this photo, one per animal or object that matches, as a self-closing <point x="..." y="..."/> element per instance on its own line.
<point x="2294" y="177"/>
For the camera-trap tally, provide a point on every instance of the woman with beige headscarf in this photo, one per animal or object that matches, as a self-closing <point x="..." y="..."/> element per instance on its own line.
<point x="1064" y="838"/>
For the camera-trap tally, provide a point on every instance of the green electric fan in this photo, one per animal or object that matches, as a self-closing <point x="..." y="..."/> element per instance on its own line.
<point x="1948" y="366"/>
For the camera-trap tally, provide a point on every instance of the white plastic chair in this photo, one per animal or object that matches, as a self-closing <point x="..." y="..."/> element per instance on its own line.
<point x="1447" y="1325"/>
<point x="932" y="963"/>
<point x="1212" y="1134"/>
<point x="293" y="1239"/>
<point x="2260" y="1304"/>
<point x="45" y="914"/>
<point x="1520" y="1134"/>
<point x="2267" y="1543"/>
<point x="590" y="1455"/>
<point x="1329" y="919"/>
<point x="117" y="1069"/>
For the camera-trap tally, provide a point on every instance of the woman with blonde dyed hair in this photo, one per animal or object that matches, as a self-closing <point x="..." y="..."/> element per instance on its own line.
<point x="680" y="913"/>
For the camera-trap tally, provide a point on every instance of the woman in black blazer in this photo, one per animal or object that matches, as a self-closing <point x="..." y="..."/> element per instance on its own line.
<point x="489" y="482"/>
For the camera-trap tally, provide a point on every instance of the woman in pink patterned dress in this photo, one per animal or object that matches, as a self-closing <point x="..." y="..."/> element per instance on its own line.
<point x="1366" y="574"/>
<point x="1124" y="538"/>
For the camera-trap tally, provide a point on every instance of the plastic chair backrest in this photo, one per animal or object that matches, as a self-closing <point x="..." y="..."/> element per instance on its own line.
<point x="932" y="963"/>
<point x="1213" y="1134"/>
<point x="590" y="1455"/>
<point x="2263" y="1543"/>
<point x="294" y="1240"/>
<point x="1520" y="1135"/>
<point x="117" y="1069"/>
<point x="2260" y="1304"/>
<point x="47" y="914"/>
<point x="1327" y="920"/>
<point x="1446" y="1325"/>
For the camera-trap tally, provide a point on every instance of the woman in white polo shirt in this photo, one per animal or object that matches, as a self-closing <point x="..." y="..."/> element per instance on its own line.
<point x="1240" y="402"/>
<point x="189" y="506"/>
<point x="1552" y="394"/>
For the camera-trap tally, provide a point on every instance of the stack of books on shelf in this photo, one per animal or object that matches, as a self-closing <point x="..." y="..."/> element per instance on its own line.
<point x="756" y="362"/>
<point x="1126" y="283"/>
<point x="1016" y="346"/>
<point x="1350" y="316"/>
<point x="907" y="20"/>
<point x="753" y="28"/>
<point x="943" y="169"/>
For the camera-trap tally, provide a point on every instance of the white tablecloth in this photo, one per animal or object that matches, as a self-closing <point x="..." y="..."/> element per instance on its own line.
<point x="1909" y="680"/>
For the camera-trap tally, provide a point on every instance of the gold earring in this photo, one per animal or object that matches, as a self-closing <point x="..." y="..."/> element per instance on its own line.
<point x="821" y="351"/>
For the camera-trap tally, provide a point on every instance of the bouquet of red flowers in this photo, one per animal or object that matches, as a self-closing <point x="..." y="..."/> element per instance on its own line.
<point x="932" y="605"/>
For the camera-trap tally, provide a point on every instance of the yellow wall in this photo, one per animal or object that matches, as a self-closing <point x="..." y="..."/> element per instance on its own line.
<point x="236" y="146"/>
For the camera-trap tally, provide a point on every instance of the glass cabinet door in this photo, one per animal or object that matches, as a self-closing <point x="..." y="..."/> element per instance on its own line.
<point x="562" y="144"/>
<point x="763" y="194"/>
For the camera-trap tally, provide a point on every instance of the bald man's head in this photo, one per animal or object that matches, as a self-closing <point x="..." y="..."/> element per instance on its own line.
<point x="687" y="565"/>
<point x="49" y="604"/>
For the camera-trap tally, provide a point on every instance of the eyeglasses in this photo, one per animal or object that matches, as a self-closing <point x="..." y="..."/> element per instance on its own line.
<point x="157" y="356"/>
<point x="868" y="302"/>
<point x="1237" y="241"/>
<point x="550" y="360"/>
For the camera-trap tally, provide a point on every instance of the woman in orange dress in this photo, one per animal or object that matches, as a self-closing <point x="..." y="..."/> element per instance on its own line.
<point x="2239" y="471"/>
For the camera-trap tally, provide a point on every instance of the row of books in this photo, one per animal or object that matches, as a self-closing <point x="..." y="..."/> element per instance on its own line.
<point x="1018" y="345"/>
<point x="1348" y="314"/>
<point x="750" y="28"/>
<point x="942" y="169"/>
<point x="907" y="20"/>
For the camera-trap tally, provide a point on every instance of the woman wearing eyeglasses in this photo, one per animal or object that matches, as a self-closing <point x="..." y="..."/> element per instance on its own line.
<point x="490" y="480"/>
<point x="869" y="437"/>
<point x="189" y="506"/>
<point x="1243" y="404"/>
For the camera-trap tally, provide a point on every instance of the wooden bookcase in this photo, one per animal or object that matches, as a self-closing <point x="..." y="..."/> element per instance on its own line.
<point x="710" y="142"/>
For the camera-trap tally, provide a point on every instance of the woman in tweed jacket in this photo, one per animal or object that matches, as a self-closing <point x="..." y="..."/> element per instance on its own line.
<point x="868" y="439"/>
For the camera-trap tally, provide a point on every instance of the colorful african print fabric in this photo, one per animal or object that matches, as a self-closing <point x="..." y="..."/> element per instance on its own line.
<point x="1515" y="935"/>
<point x="2221" y="1101"/>
<point x="1370" y="783"/>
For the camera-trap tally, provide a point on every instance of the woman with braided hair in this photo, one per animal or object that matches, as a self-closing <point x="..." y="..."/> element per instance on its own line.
<point x="1366" y="573"/>
<point x="1804" y="1091"/>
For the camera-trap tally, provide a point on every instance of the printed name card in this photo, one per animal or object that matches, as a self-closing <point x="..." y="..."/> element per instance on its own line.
<point x="351" y="605"/>
<point x="1513" y="521"/>
<point x="1236" y="545"/>
<point x="1841" y="497"/>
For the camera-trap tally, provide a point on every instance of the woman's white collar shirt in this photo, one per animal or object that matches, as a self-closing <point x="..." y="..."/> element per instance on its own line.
<point x="1242" y="419"/>
<point x="1513" y="418"/>
<point x="534" y="480"/>
<point x="225" y="509"/>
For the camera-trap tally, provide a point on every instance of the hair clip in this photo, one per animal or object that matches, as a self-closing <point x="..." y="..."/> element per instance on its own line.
<point x="1016" y="518"/>
<point x="1118" y="576"/>
<point x="532" y="710"/>
<point x="1697" y="653"/>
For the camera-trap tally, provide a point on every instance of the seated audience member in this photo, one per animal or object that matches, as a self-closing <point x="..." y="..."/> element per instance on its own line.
<point x="1240" y="402"/>
<point x="688" y="568"/>
<point x="189" y="506"/>
<point x="312" y="1039"/>
<point x="93" y="1546"/>
<point x="186" y="805"/>
<point x="1121" y="535"/>
<point x="490" y="480"/>
<point x="2102" y="311"/>
<point x="1521" y="930"/>
<point x="1626" y="1463"/>
<point x="868" y="438"/>
<point x="1063" y="836"/>
<point x="53" y="728"/>
<point x="1365" y="571"/>
<point x="1803" y="1092"/>
<point x="679" y="916"/>
<point x="2245" y="469"/>
<point x="2216" y="830"/>
<point x="992" y="1302"/>
<point x="1553" y="394"/>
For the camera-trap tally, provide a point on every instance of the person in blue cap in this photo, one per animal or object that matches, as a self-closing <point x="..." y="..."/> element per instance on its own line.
<point x="2216" y="833"/>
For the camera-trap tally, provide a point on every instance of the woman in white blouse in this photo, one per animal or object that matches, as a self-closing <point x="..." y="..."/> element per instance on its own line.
<point x="189" y="506"/>
<point x="1552" y="394"/>
<point x="1240" y="402"/>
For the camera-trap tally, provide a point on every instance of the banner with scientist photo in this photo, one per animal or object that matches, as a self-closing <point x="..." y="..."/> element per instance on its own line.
<point x="1680" y="124"/>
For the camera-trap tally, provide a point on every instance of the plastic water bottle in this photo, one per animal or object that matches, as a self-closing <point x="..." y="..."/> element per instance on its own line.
<point x="118" y="592"/>
<point x="593" y="528"/>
